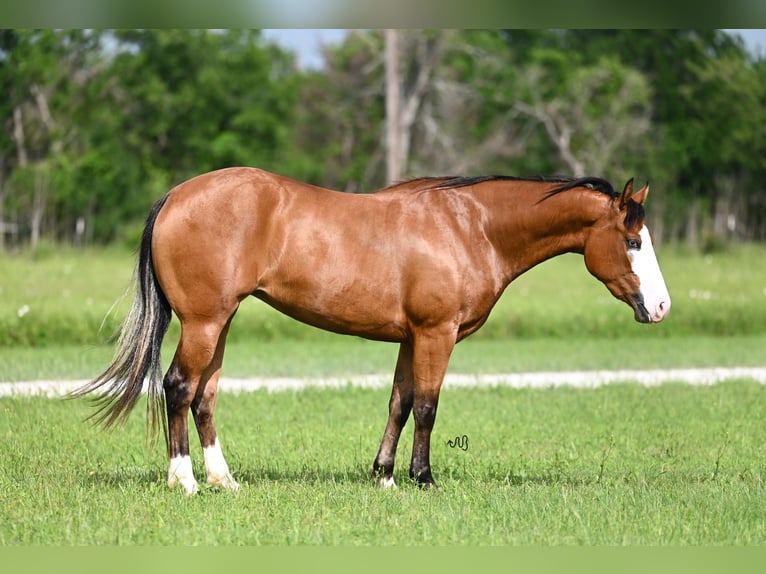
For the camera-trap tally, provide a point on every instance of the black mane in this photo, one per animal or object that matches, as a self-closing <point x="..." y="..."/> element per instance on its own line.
<point x="594" y="183"/>
<point x="635" y="211"/>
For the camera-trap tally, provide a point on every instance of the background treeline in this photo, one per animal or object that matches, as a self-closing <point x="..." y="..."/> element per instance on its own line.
<point x="99" y="124"/>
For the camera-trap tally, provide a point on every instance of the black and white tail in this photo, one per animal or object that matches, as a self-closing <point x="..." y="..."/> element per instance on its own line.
<point x="138" y="348"/>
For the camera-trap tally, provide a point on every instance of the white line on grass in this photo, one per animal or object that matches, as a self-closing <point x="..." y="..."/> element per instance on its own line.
<point x="577" y="379"/>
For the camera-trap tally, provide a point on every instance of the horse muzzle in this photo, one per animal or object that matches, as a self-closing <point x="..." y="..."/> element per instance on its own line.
<point x="643" y="315"/>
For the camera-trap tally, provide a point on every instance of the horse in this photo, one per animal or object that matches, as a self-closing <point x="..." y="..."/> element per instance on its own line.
<point x="420" y="263"/>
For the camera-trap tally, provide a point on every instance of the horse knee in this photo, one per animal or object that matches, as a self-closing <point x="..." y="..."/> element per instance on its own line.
<point x="425" y="413"/>
<point x="399" y="408"/>
<point x="178" y="391"/>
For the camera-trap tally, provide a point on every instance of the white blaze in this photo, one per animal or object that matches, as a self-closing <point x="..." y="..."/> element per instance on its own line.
<point x="653" y="289"/>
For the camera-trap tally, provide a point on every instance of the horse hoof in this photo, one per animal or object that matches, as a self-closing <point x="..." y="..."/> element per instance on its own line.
<point x="425" y="482"/>
<point x="226" y="482"/>
<point x="387" y="482"/>
<point x="190" y="488"/>
<point x="423" y="479"/>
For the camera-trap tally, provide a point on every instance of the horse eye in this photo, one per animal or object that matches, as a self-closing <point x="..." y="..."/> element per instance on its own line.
<point x="634" y="244"/>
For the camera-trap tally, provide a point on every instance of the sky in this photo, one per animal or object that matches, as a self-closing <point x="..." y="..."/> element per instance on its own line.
<point x="307" y="43"/>
<point x="755" y="40"/>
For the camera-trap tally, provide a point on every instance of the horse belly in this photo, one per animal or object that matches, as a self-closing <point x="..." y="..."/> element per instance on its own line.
<point x="370" y="293"/>
<point x="354" y="309"/>
<point x="337" y="272"/>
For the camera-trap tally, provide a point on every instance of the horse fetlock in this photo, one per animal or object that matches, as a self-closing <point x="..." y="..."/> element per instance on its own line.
<point x="189" y="487"/>
<point x="383" y="474"/>
<point x="180" y="473"/>
<point x="218" y="473"/>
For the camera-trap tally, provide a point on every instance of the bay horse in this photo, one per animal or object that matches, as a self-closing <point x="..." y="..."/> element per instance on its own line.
<point x="420" y="263"/>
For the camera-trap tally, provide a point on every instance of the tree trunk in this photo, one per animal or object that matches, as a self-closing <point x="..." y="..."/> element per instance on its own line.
<point x="38" y="205"/>
<point x="404" y="97"/>
<point x="393" y="109"/>
<point x="19" y="138"/>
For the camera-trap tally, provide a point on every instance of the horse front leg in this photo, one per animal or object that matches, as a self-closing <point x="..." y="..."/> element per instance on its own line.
<point x="399" y="408"/>
<point x="431" y="356"/>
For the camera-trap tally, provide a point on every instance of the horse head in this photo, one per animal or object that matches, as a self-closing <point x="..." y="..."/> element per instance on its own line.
<point x="619" y="252"/>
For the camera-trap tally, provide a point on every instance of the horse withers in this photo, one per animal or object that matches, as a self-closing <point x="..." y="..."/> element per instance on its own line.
<point x="420" y="263"/>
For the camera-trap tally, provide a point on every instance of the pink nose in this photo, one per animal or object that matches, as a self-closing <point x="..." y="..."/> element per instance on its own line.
<point x="662" y="310"/>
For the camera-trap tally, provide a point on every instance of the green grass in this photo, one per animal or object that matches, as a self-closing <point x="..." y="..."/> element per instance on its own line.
<point x="618" y="465"/>
<point x="554" y="317"/>
<point x="337" y="356"/>
<point x="622" y="464"/>
<point x="64" y="298"/>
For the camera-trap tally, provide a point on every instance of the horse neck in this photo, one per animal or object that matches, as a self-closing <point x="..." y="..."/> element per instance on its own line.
<point x="527" y="228"/>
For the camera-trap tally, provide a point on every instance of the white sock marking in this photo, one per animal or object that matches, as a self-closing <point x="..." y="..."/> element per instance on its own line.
<point x="217" y="470"/>
<point x="180" y="472"/>
<point x="387" y="482"/>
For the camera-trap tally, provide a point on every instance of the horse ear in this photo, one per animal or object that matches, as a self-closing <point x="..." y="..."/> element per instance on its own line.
<point x="640" y="195"/>
<point x="627" y="192"/>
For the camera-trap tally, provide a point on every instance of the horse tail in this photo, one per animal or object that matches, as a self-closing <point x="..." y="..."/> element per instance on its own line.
<point x="138" y="348"/>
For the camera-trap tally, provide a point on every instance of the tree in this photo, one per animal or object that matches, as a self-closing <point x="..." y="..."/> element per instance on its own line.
<point x="100" y="124"/>
<point x="724" y="127"/>
<point x="37" y="71"/>
<point x="339" y="137"/>
<point x="165" y="105"/>
<point x="595" y="116"/>
<point x="703" y="81"/>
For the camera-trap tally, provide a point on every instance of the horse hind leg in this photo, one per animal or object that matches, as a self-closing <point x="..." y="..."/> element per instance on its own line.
<point x="196" y="365"/>
<point x="202" y="406"/>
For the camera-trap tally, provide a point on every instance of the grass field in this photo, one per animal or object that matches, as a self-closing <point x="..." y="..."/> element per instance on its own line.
<point x="336" y="356"/>
<point x="554" y="317"/>
<point x="65" y="297"/>
<point x="618" y="465"/>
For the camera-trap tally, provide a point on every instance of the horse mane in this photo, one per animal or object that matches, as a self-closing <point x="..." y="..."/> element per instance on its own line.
<point x="635" y="211"/>
<point x="567" y="183"/>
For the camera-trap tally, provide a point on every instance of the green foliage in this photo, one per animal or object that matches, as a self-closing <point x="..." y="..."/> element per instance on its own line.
<point x="102" y="123"/>
<point x="619" y="465"/>
<point x="129" y="120"/>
